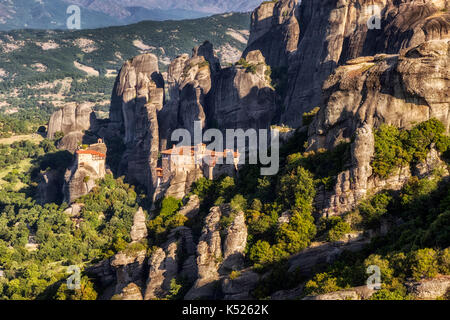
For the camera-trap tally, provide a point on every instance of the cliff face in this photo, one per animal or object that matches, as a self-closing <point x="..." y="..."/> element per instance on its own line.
<point x="333" y="32"/>
<point x="400" y="90"/>
<point x="359" y="78"/>
<point x="274" y="21"/>
<point x="81" y="178"/>
<point x="243" y="96"/>
<point x="189" y="83"/>
<point x="137" y="97"/>
<point x="71" y="120"/>
<point x="72" y="117"/>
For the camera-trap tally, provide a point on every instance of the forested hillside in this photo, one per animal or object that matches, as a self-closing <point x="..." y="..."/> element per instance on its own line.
<point x="43" y="70"/>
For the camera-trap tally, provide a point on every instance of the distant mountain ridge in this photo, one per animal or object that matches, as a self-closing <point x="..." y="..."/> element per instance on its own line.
<point x="51" y="14"/>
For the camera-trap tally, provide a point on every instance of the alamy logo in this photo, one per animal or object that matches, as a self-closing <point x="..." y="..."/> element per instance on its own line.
<point x="74" y="281"/>
<point x="374" y="21"/>
<point x="374" y="281"/>
<point x="74" y="20"/>
<point x="237" y="151"/>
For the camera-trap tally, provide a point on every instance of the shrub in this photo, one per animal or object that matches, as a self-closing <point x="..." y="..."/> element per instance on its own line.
<point x="298" y="233"/>
<point x="169" y="206"/>
<point x="321" y="283"/>
<point x="334" y="228"/>
<point x="261" y="253"/>
<point x="372" y="210"/>
<point x="167" y="219"/>
<point x="385" y="294"/>
<point x="234" y="275"/>
<point x="395" y="148"/>
<point x="423" y="136"/>
<point x="238" y="203"/>
<point x="389" y="151"/>
<point x="308" y="117"/>
<point x="444" y="261"/>
<point x="297" y="190"/>
<point x="424" y="264"/>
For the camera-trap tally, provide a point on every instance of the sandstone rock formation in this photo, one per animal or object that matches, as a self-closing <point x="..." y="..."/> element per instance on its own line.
<point x="165" y="263"/>
<point x="335" y="32"/>
<point x="395" y="89"/>
<point x="216" y="258"/>
<point x="137" y="97"/>
<point x="324" y="253"/>
<point x="139" y="228"/>
<point x="89" y="166"/>
<point x="358" y="293"/>
<point x="72" y="117"/>
<point x="241" y="287"/>
<point x="131" y="292"/>
<point x="274" y="31"/>
<point x="191" y="208"/>
<point x="129" y="267"/>
<point x="243" y="96"/>
<point x="72" y="120"/>
<point x="209" y="253"/>
<point x="235" y="243"/>
<point x="430" y="289"/>
<point x="189" y="84"/>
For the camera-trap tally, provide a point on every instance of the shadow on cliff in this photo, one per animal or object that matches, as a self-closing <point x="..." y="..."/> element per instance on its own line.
<point x="227" y="110"/>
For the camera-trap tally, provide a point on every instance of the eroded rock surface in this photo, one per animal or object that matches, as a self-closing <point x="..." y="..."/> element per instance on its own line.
<point x="400" y="90"/>
<point x="138" y="96"/>
<point x="209" y="254"/>
<point x="334" y="32"/>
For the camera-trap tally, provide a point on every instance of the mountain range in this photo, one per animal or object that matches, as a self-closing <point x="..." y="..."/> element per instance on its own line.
<point x="51" y="14"/>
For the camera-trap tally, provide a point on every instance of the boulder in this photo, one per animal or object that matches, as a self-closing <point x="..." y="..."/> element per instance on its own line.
<point x="430" y="289"/>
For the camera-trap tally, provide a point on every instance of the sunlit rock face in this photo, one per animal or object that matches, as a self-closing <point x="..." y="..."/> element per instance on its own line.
<point x="333" y="32"/>
<point x="137" y="97"/>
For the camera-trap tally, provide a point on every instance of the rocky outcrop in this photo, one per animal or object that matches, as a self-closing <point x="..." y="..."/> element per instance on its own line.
<point x="88" y="167"/>
<point x="274" y="31"/>
<point x="240" y="288"/>
<point x="129" y="267"/>
<point x="430" y="289"/>
<point x="71" y="121"/>
<point x="104" y="273"/>
<point x="166" y="265"/>
<point x="243" y="96"/>
<point x="324" y="253"/>
<point x="137" y="97"/>
<point x="72" y="117"/>
<point x="189" y="84"/>
<point x="337" y="31"/>
<point x="139" y="228"/>
<point x="191" y="208"/>
<point x="209" y="255"/>
<point x="131" y="292"/>
<point x="292" y="294"/>
<point x="400" y="90"/>
<point x="358" y="293"/>
<point x="235" y="243"/>
<point x="179" y="184"/>
<point x="163" y="268"/>
<point x="217" y="256"/>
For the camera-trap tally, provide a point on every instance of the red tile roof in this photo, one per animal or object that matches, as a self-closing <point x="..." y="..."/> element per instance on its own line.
<point x="92" y="152"/>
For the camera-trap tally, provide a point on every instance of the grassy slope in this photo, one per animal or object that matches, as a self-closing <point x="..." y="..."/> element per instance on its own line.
<point x="114" y="45"/>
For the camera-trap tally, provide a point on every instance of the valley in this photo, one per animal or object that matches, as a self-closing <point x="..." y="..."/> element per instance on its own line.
<point x="359" y="207"/>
